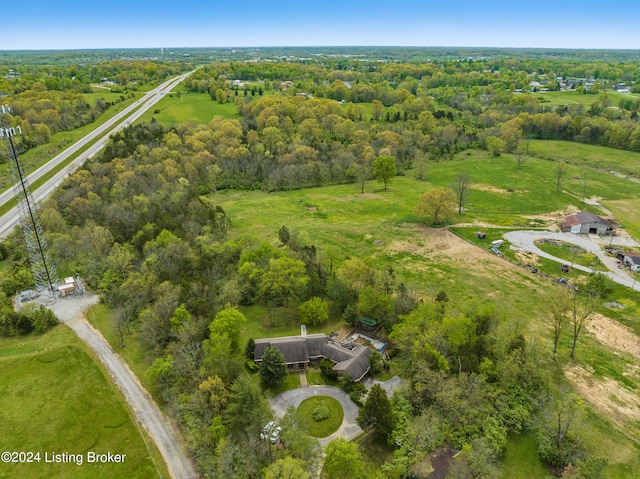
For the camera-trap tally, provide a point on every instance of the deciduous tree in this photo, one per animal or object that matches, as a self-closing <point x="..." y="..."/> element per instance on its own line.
<point x="343" y="460"/>
<point x="229" y="322"/>
<point x="315" y="311"/>
<point x="556" y="314"/>
<point x="384" y="169"/>
<point x="461" y="187"/>
<point x="580" y="310"/>
<point x="436" y="205"/>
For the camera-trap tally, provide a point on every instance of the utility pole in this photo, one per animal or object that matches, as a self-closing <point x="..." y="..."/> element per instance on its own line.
<point x="42" y="267"/>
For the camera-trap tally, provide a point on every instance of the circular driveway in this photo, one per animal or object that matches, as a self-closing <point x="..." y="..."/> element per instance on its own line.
<point x="524" y="241"/>
<point x="349" y="428"/>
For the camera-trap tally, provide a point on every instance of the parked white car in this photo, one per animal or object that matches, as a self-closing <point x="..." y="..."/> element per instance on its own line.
<point x="264" y="435"/>
<point x="275" y="435"/>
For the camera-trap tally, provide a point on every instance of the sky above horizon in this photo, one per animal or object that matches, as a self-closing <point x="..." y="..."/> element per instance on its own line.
<point x="69" y="24"/>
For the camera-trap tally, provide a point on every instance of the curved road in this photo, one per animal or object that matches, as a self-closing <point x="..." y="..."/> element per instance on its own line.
<point x="71" y="311"/>
<point x="103" y="132"/>
<point x="525" y="241"/>
<point x="349" y="427"/>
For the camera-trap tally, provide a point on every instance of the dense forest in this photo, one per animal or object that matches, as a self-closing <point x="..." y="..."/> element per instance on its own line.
<point x="140" y="223"/>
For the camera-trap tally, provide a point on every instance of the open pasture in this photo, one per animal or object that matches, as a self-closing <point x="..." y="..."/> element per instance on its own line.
<point x="54" y="398"/>
<point x="180" y="107"/>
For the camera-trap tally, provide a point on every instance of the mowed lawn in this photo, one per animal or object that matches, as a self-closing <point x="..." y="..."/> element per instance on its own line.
<point x="180" y="107"/>
<point x="54" y="398"/>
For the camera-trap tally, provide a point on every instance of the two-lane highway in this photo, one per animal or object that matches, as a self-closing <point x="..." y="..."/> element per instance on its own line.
<point x="102" y="133"/>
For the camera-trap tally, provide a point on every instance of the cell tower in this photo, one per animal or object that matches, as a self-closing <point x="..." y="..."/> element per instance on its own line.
<point x="42" y="268"/>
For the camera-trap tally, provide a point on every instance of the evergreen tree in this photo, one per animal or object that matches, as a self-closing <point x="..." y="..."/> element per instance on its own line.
<point x="273" y="369"/>
<point x="376" y="414"/>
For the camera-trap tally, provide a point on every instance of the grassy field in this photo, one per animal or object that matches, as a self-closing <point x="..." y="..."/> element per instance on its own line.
<point x="521" y="460"/>
<point x="179" y="107"/>
<point x="54" y="398"/>
<point x="568" y="97"/>
<point x="340" y="220"/>
<point x="627" y="212"/>
<point x="596" y="157"/>
<point x="322" y="428"/>
<point x="497" y="186"/>
<point x="572" y="254"/>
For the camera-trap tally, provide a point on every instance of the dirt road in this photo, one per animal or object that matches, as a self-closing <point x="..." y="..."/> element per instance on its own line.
<point x="71" y="311"/>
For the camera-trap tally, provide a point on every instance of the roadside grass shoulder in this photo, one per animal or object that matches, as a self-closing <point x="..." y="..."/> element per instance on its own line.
<point x="54" y="398"/>
<point x="100" y="317"/>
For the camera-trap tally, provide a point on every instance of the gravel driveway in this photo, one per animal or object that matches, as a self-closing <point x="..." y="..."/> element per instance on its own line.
<point x="71" y="311"/>
<point x="524" y="241"/>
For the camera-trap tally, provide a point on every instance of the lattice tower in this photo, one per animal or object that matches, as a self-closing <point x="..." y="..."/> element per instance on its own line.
<point x="43" y="270"/>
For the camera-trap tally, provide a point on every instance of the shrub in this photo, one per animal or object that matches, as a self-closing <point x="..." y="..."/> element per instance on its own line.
<point x="357" y="393"/>
<point x="253" y="367"/>
<point x="320" y="413"/>
<point x="326" y="366"/>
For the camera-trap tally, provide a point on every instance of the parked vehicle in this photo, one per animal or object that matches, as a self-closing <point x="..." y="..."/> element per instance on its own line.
<point x="264" y="435"/>
<point x="275" y="435"/>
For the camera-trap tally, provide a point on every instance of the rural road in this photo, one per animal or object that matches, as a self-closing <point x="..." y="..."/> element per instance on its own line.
<point x="103" y="132"/>
<point x="71" y="311"/>
<point x="525" y="241"/>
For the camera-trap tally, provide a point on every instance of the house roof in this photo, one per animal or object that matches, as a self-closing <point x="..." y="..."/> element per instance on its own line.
<point x="357" y="365"/>
<point x="298" y="349"/>
<point x="336" y="353"/>
<point x="315" y="343"/>
<point x="293" y="348"/>
<point x="584" y="217"/>
<point x="633" y="257"/>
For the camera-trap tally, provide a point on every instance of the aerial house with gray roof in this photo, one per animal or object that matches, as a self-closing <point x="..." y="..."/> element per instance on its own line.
<point x="299" y="351"/>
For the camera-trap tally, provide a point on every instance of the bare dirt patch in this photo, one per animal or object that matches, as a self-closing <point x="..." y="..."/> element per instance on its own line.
<point x="614" y="334"/>
<point x="527" y="258"/>
<point x="555" y="215"/>
<point x="491" y="189"/>
<point x="608" y="396"/>
<point x="440" y="245"/>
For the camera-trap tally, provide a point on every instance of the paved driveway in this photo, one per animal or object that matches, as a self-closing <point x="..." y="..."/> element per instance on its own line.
<point x="524" y="241"/>
<point x="349" y="428"/>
